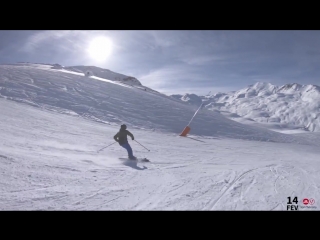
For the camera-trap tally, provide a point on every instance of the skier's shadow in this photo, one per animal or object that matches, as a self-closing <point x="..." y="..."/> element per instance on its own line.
<point x="134" y="165"/>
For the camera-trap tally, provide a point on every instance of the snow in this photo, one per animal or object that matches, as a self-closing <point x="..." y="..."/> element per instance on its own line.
<point x="104" y="73"/>
<point x="188" y="98"/>
<point x="53" y="122"/>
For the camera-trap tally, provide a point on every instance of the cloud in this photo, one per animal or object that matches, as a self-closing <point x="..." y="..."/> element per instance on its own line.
<point x="169" y="75"/>
<point x="61" y="39"/>
<point x="202" y="60"/>
<point x="37" y="39"/>
<point x="165" y="39"/>
<point x="200" y="91"/>
<point x="67" y="47"/>
<point x="178" y="79"/>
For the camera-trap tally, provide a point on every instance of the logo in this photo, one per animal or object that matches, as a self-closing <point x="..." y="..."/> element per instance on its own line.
<point x="309" y="201"/>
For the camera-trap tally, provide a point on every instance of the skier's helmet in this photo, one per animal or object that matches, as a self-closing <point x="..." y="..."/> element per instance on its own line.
<point x="123" y="126"/>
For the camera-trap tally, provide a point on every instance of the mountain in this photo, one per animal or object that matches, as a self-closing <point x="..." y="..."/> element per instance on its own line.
<point x="114" y="102"/>
<point x="291" y="106"/>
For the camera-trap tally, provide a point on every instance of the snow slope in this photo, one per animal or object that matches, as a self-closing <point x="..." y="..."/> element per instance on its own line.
<point x="54" y="121"/>
<point x="291" y="106"/>
<point x="113" y="102"/>
<point x="49" y="161"/>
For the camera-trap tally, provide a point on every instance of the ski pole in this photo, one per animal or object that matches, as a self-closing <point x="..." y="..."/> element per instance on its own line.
<point x="142" y="145"/>
<point x="106" y="146"/>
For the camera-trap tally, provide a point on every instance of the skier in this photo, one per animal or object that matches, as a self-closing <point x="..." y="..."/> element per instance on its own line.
<point x="121" y="138"/>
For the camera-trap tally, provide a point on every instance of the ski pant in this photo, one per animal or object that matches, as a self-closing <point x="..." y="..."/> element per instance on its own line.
<point x="128" y="148"/>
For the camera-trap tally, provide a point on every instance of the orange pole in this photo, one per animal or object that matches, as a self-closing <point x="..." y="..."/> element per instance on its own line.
<point x="185" y="131"/>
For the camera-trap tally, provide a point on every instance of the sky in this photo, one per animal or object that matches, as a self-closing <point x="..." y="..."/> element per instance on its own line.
<point x="174" y="61"/>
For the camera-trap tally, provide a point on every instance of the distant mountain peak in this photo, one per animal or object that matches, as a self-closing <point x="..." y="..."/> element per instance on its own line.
<point x="290" y="104"/>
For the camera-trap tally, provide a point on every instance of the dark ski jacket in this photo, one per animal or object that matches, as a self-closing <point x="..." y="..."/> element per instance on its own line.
<point x="121" y="136"/>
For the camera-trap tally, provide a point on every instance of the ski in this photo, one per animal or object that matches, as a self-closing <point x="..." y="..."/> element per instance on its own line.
<point x="137" y="159"/>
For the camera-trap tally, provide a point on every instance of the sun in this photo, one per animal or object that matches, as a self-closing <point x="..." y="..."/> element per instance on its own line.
<point x="100" y="48"/>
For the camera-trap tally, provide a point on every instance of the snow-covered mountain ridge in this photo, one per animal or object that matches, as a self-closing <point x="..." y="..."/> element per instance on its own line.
<point x="290" y="105"/>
